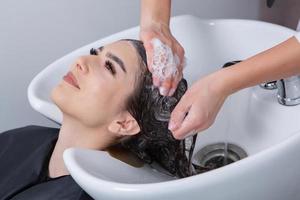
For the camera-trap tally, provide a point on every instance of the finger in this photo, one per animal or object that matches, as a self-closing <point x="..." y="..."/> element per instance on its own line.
<point x="166" y="86"/>
<point x="175" y="82"/>
<point x="187" y="128"/>
<point x="156" y="80"/>
<point x="172" y="91"/>
<point x="179" y="113"/>
<point x="149" y="52"/>
<point x="180" y="53"/>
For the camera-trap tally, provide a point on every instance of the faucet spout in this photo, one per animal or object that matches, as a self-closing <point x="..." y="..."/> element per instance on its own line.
<point x="289" y="91"/>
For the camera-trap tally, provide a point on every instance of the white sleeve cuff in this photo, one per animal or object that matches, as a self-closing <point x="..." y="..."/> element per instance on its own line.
<point x="298" y="36"/>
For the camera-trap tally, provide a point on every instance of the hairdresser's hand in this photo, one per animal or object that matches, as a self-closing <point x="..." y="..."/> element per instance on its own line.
<point x="199" y="106"/>
<point x="161" y="31"/>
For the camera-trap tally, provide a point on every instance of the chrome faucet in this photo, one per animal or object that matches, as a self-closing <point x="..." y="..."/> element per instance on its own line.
<point x="289" y="91"/>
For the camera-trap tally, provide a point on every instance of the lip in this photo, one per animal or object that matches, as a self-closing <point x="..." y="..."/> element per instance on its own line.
<point x="70" y="78"/>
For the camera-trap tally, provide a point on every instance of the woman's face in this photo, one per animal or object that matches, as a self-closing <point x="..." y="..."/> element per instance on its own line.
<point x="97" y="86"/>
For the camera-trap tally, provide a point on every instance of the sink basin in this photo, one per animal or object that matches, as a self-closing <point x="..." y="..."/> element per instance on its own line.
<point x="252" y="119"/>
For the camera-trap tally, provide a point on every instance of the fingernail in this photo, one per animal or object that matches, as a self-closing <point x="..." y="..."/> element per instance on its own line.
<point x="163" y="91"/>
<point x="172" y="126"/>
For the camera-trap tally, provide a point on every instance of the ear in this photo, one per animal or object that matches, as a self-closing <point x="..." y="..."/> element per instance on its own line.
<point x="124" y="125"/>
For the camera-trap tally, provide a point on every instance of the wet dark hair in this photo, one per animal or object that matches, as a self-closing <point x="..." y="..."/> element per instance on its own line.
<point x="155" y="143"/>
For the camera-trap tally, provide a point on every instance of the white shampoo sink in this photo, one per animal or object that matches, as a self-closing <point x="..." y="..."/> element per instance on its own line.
<point x="252" y="119"/>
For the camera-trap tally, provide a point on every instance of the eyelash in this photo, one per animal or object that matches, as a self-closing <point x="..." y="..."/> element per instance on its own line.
<point x="93" y="52"/>
<point x="108" y="65"/>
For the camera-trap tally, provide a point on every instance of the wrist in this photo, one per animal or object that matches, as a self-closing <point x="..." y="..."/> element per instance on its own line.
<point x="155" y="11"/>
<point x="154" y="25"/>
<point x="238" y="76"/>
<point x="225" y="82"/>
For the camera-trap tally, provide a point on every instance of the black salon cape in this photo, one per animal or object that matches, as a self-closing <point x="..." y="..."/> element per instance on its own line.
<point x="24" y="158"/>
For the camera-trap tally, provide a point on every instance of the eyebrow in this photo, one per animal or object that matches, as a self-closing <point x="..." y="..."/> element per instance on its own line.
<point x="116" y="59"/>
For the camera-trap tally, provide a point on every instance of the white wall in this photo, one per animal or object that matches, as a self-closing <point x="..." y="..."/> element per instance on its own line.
<point x="285" y="12"/>
<point x="34" y="33"/>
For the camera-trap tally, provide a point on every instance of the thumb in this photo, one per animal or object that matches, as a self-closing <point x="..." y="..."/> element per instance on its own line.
<point x="179" y="113"/>
<point x="187" y="128"/>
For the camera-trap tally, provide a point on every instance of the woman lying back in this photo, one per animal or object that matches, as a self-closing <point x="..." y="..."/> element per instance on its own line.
<point x="106" y="98"/>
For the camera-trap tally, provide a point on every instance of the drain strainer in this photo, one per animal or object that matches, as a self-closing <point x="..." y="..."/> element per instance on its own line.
<point x="213" y="156"/>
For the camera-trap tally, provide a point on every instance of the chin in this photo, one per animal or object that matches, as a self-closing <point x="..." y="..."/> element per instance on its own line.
<point x="59" y="97"/>
<point x="62" y="98"/>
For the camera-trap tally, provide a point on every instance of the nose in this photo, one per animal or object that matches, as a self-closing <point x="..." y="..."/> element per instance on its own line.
<point x="82" y="65"/>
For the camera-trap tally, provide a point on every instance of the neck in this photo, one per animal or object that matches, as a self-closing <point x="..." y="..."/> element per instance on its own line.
<point x="74" y="134"/>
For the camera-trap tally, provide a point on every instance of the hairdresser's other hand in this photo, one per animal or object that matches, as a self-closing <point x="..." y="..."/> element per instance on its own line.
<point x="199" y="106"/>
<point x="162" y="32"/>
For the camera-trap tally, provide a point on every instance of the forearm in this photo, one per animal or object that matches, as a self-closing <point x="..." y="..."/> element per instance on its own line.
<point x="278" y="62"/>
<point x="157" y="11"/>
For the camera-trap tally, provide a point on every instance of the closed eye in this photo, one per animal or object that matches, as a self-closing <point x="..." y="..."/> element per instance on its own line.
<point x="110" y="66"/>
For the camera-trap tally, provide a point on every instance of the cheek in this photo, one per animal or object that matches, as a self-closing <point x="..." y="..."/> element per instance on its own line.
<point x="105" y="93"/>
<point x="95" y="104"/>
<point x="98" y="103"/>
<point x="99" y="98"/>
<point x="85" y="106"/>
